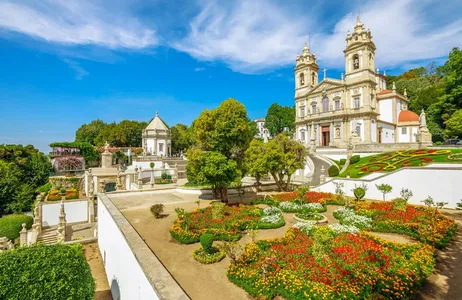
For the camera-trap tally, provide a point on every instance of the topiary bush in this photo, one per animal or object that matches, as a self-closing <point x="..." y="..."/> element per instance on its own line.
<point x="342" y="161"/>
<point x="42" y="272"/>
<point x="354" y="159"/>
<point x="157" y="210"/>
<point x="10" y="226"/>
<point x="360" y="192"/>
<point x="207" y="242"/>
<point x="333" y="171"/>
<point x="164" y="176"/>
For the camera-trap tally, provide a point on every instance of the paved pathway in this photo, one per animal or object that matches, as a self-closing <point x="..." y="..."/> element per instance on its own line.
<point x="318" y="163"/>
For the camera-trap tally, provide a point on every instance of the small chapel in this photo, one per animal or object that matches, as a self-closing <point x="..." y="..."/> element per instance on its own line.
<point x="358" y="106"/>
<point x="156" y="139"/>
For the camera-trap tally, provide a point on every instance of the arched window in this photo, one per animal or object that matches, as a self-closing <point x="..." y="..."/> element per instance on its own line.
<point x="313" y="78"/>
<point x="370" y="59"/>
<point x="355" y="61"/>
<point x="302" y="79"/>
<point x="325" y="104"/>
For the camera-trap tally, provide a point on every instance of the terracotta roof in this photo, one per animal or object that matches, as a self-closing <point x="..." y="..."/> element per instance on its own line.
<point x="384" y="92"/>
<point x="408" y="116"/>
<point x="259" y="120"/>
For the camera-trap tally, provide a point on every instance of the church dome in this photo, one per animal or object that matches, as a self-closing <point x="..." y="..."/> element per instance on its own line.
<point x="408" y="116"/>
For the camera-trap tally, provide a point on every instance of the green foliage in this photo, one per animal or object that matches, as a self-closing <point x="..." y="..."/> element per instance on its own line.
<point x="157" y="210"/>
<point x="207" y="243"/>
<point x="124" y="134"/>
<point x="360" y="191"/>
<point x="23" y="169"/>
<point x="254" y="162"/>
<point x="182" y="137"/>
<point x="333" y="171"/>
<point x="86" y="149"/>
<point x="43" y="272"/>
<point x="44" y="188"/>
<point x="454" y="125"/>
<point x="151" y="165"/>
<point x="399" y="203"/>
<point x="323" y="238"/>
<point x="164" y="176"/>
<point x="459" y="205"/>
<point x="10" y="226"/>
<point x="233" y="249"/>
<point x="302" y="190"/>
<point x="203" y="257"/>
<point x="342" y="161"/>
<point x="384" y="189"/>
<point x="280" y="118"/>
<point x="282" y="157"/>
<point x="218" y="210"/>
<point x="406" y="194"/>
<point x="354" y="159"/>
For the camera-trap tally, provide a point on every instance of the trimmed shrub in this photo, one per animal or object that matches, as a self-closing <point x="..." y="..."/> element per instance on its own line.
<point x="342" y="161"/>
<point x="43" y="272"/>
<point x="10" y="226"/>
<point x="164" y="176"/>
<point x="354" y="159"/>
<point x="207" y="242"/>
<point x="333" y="171"/>
<point x="157" y="210"/>
<point x="44" y="188"/>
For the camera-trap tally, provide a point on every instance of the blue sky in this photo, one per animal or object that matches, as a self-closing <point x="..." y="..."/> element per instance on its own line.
<point x="64" y="63"/>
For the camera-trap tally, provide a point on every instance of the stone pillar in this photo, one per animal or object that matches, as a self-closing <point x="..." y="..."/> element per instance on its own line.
<point x="322" y="177"/>
<point x="61" y="231"/>
<point x="337" y="138"/>
<point x="23" y="235"/>
<point x="152" y="181"/>
<point x="140" y="178"/>
<point x="367" y="131"/>
<point x="331" y="134"/>
<point x="312" y="140"/>
<point x="175" y="173"/>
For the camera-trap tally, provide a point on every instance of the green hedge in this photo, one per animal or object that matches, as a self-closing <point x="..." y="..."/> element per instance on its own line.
<point x="354" y="159"/>
<point x="43" y="272"/>
<point x="333" y="171"/>
<point x="44" y="188"/>
<point x="10" y="226"/>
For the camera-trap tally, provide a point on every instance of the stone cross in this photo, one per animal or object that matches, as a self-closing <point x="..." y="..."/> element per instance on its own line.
<point x="324" y="70"/>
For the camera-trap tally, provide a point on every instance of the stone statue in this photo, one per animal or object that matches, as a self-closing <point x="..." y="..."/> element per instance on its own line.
<point x="106" y="147"/>
<point x="423" y="119"/>
<point x="337" y="132"/>
<point x="91" y="189"/>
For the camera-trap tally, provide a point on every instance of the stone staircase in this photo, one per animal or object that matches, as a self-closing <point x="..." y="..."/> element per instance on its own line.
<point x="181" y="164"/>
<point x="318" y="164"/>
<point x="48" y="236"/>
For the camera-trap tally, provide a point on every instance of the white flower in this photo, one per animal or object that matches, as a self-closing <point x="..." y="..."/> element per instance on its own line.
<point x="339" y="228"/>
<point x="289" y="205"/>
<point x="273" y="219"/>
<point x="304" y="226"/>
<point x="313" y="206"/>
<point x="272" y="210"/>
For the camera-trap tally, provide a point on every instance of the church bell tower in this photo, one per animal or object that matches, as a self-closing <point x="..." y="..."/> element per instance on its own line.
<point x="306" y="70"/>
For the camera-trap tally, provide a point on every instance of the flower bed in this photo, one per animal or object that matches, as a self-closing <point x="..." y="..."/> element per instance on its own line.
<point x="309" y="197"/>
<point x="423" y="223"/>
<point x="296" y="206"/>
<point x="358" y="266"/>
<point x="71" y="193"/>
<point x="188" y="228"/>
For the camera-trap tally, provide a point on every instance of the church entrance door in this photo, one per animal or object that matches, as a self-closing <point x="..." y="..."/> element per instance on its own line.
<point x="325" y="136"/>
<point x="380" y="136"/>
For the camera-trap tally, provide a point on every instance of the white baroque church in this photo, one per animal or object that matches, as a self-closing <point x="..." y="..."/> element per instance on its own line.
<point x="358" y="104"/>
<point x="156" y="139"/>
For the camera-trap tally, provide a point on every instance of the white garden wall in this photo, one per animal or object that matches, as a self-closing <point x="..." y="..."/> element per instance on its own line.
<point x="76" y="211"/>
<point x="132" y="270"/>
<point x="442" y="184"/>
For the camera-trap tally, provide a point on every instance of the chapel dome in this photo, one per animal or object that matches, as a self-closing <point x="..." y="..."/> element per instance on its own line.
<point x="408" y="116"/>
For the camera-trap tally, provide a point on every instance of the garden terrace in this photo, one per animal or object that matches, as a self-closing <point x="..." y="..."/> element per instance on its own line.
<point x="391" y="161"/>
<point x="355" y="267"/>
<point x="423" y="223"/>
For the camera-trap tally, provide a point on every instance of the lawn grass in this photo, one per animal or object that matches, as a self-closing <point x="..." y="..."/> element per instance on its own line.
<point x="391" y="161"/>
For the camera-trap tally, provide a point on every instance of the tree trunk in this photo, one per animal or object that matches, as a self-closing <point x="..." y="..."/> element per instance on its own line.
<point x="224" y="194"/>
<point x="288" y="182"/>
<point x="276" y="179"/>
<point x="258" y="183"/>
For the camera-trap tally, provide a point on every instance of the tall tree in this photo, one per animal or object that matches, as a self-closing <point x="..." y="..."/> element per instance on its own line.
<point x="225" y="130"/>
<point x="89" y="132"/>
<point x="181" y="138"/>
<point x="454" y="125"/>
<point x="279" y="119"/>
<point x="255" y="161"/>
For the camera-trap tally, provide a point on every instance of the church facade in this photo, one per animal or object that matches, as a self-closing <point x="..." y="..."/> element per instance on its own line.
<point x="359" y="105"/>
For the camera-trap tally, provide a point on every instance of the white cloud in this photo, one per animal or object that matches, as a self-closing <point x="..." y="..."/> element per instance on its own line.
<point x="79" y="71"/>
<point x="199" y="69"/>
<point x="250" y="37"/>
<point x="76" y="23"/>
<point x="258" y="36"/>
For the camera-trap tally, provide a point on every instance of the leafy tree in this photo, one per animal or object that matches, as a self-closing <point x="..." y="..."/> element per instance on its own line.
<point x="254" y="162"/>
<point x="452" y="71"/>
<point x="280" y="118"/>
<point x="107" y="134"/>
<point x="22" y="169"/>
<point x="89" y="132"/>
<point x="128" y="133"/>
<point x="181" y="138"/>
<point x="384" y="189"/>
<point x="454" y="125"/>
<point x="282" y="157"/>
<point x="225" y="130"/>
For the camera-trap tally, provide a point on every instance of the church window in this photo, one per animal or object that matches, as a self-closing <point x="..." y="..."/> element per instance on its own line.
<point x="358" y="129"/>
<point x="313" y="108"/>
<point x="356" y="102"/>
<point x="325" y="104"/>
<point x="404" y="130"/>
<point x="161" y="147"/>
<point x="313" y="78"/>
<point x="356" y="61"/>
<point x="337" y="105"/>
<point x="302" y="111"/>
<point x="302" y="135"/>
<point x="302" y="79"/>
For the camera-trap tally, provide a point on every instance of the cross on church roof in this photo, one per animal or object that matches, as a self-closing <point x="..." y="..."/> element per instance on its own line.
<point x="324" y="70"/>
